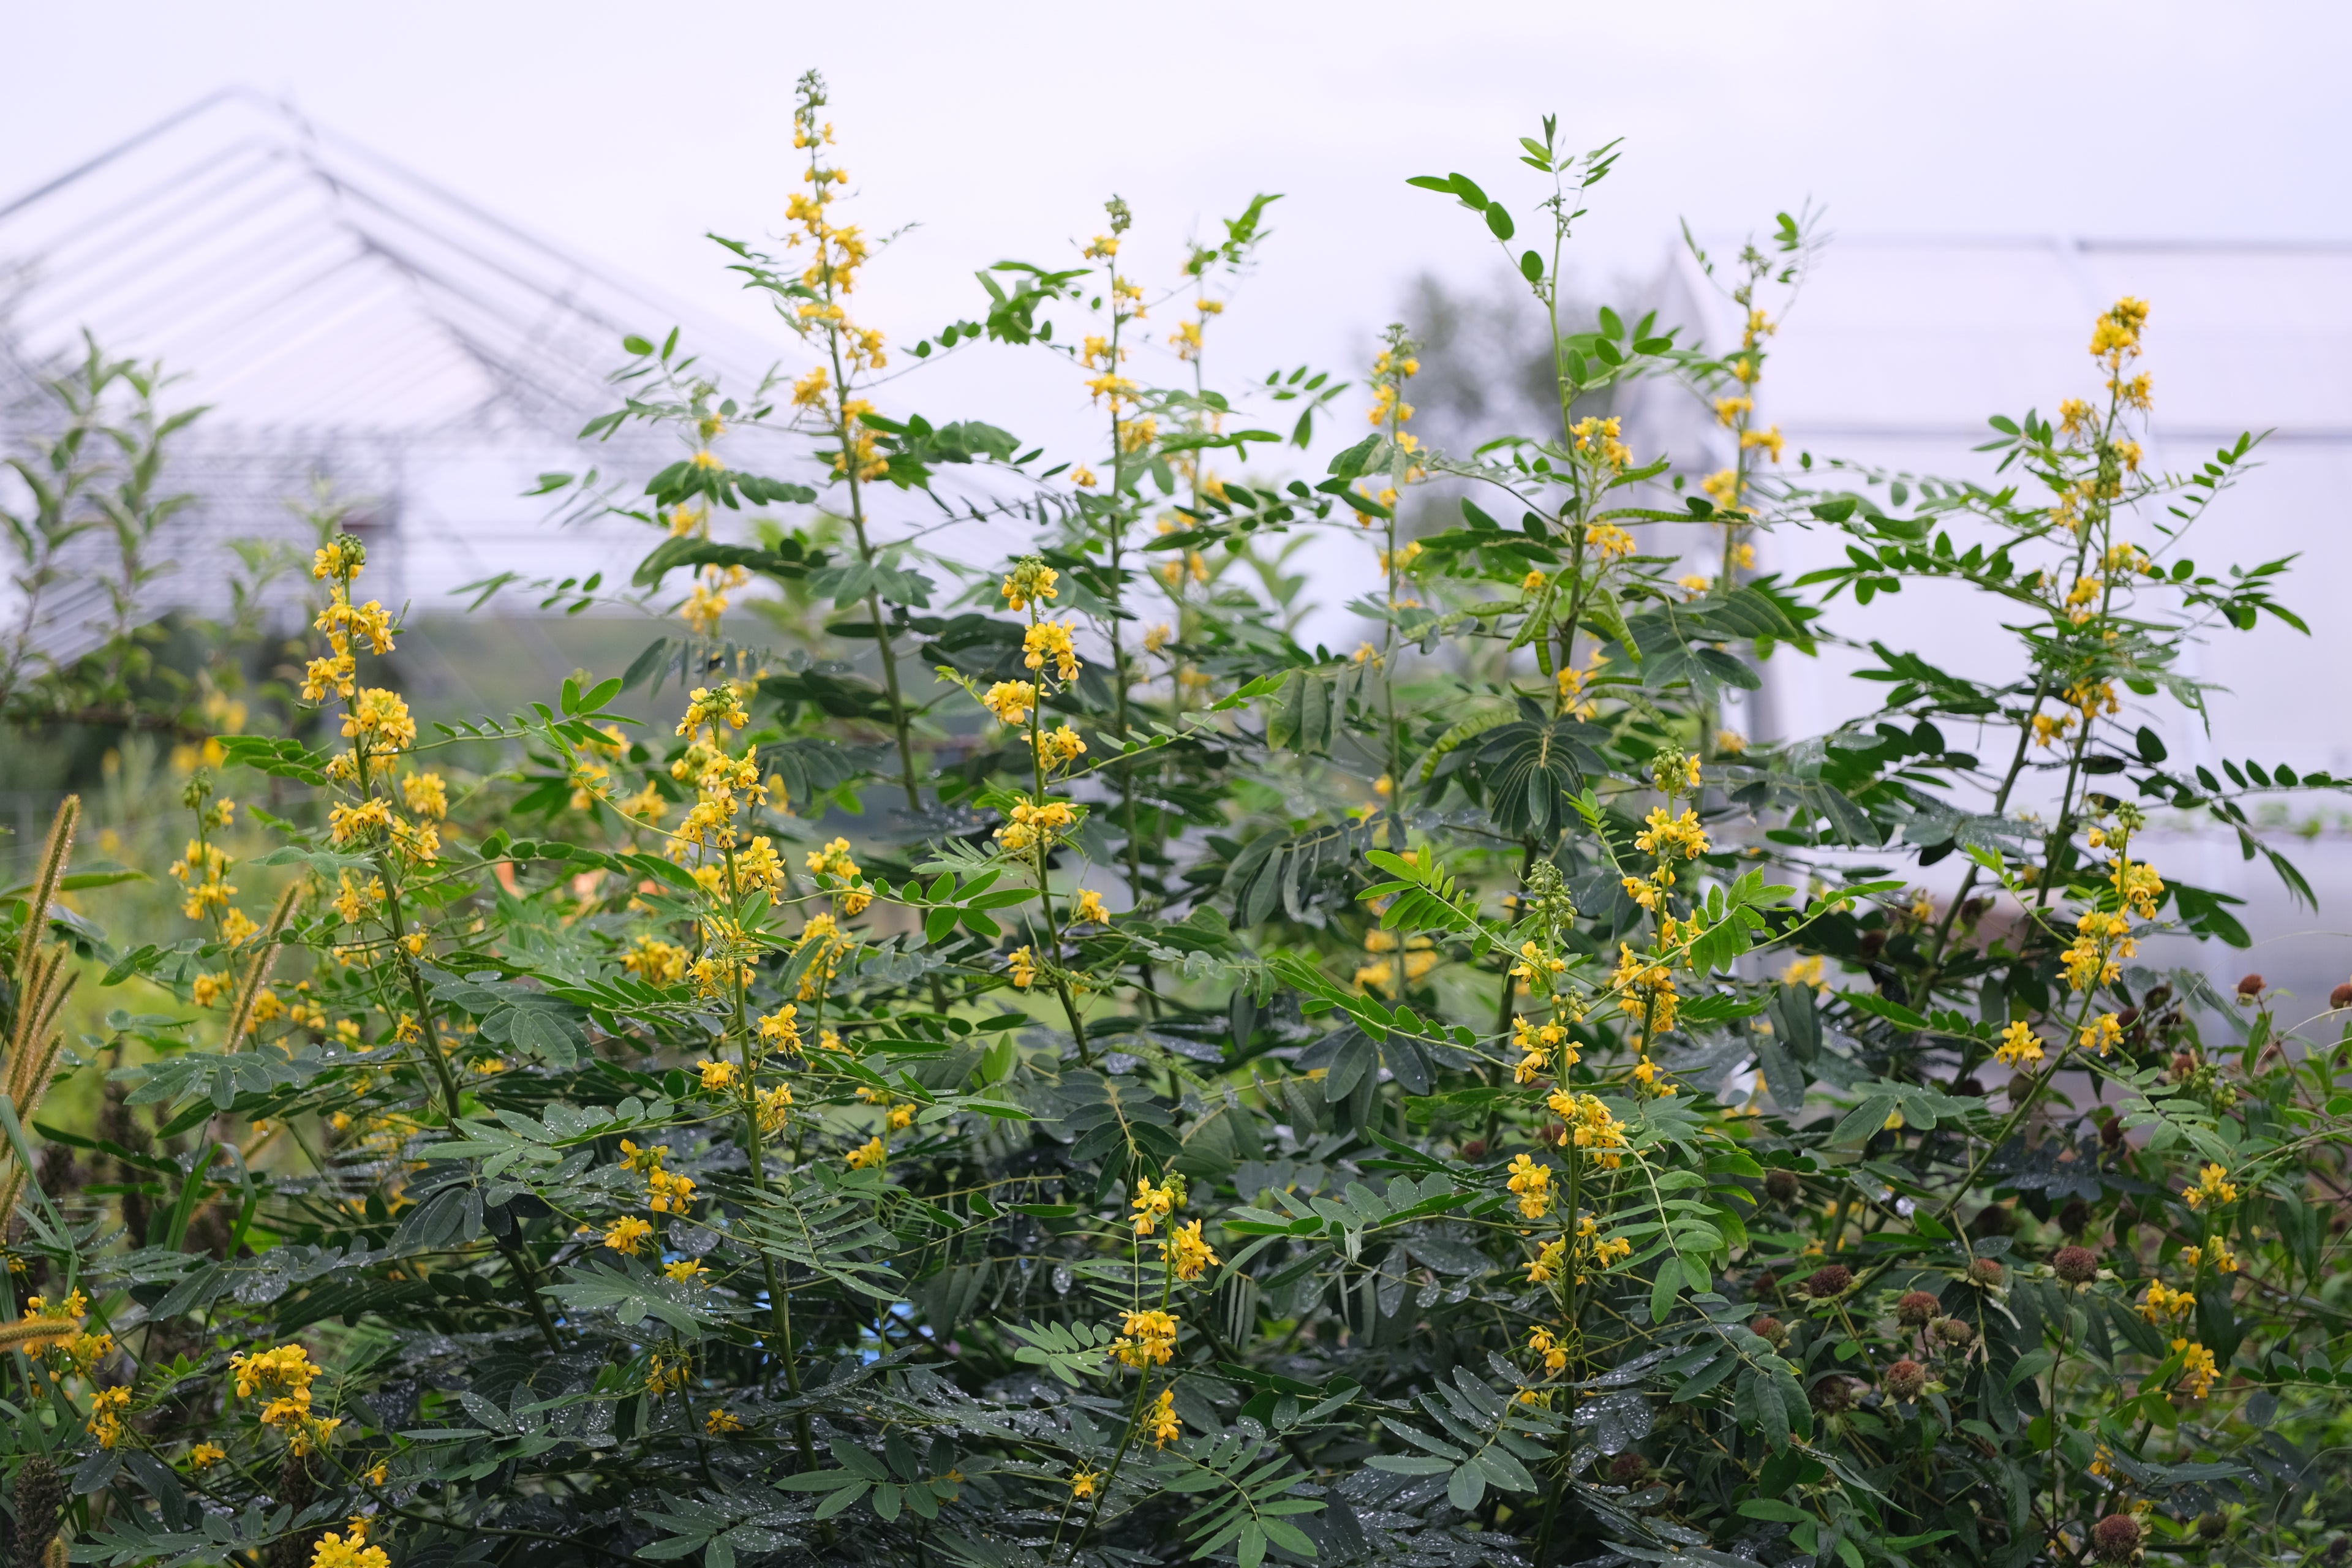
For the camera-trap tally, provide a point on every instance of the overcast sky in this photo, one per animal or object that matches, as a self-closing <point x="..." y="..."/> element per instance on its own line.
<point x="626" y="131"/>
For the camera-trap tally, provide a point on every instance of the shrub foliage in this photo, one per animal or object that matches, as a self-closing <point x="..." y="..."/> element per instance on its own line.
<point x="1039" y="1066"/>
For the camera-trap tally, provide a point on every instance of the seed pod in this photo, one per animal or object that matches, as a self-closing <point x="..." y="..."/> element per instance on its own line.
<point x="2116" y="1538"/>
<point x="2075" y="1265"/>
<point x="1782" y="1186"/>
<point x="1769" y="1328"/>
<point x="1906" y="1380"/>
<point x="1915" y="1308"/>
<point x="1984" y="1271"/>
<point x="1955" y="1332"/>
<point x="1831" y="1281"/>
<point x="2250" y="986"/>
<point x="40" y="1500"/>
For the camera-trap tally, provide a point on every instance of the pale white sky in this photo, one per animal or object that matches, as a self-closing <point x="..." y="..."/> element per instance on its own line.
<point x="624" y="132"/>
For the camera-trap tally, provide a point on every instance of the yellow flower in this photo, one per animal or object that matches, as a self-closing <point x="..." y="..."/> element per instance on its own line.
<point x="628" y="1234"/>
<point x="1187" y="1253"/>
<point x="1021" y="965"/>
<point x="1150" y="1339"/>
<point x="718" y="1075"/>
<point x="868" y="1154"/>
<point x="205" y="1455"/>
<point x="1011" y="700"/>
<point x="1547" y="1265"/>
<point x="2020" y="1046"/>
<point x="1546" y="1345"/>
<point x="1090" y="908"/>
<point x="1153" y="1204"/>
<point x="2197" y="1368"/>
<point x="667" y="1192"/>
<point x="1083" y="1483"/>
<point x="782" y="1030"/>
<point x="718" y="1423"/>
<point x="1162" y="1419"/>
<point x="1533" y="1184"/>
<point x="1058" y="748"/>
<point x="2211" y="1188"/>
<point x="2101" y="1034"/>
<point x="1666" y="836"/>
<point x="350" y="1551"/>
<point x="1050" y="639"/>
<point x="2162" y="1303"/>
<point x="106" y="1411"/>
<point x="685" y="1271"/>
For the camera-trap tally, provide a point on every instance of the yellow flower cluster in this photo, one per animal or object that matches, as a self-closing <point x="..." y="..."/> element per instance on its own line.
<point x="2101" y="943"/>
<point x="1390" y="371"/>
<point x="2020" y="1046"/>
<point x="1532" y="1182"/>
<point x="2162" y="1304"/>
<point x="1645" y="989"/>
<point x="337" y="564"/>
<point x="1150" y="1339"/>
<point x="1161" y="1421"/>
<point x="1666" y="836"/>
<point x="1599" y="438"/>
<point x="2101" y="1034"/>
<point x="1034" y="825"/>
<point x="1011" y="700"/>
<point x="780" y="1029"/>
<point x="628" y="1235"/>
<point x="1608" y="541"/>
<point x="2212" y="1186"/>
<point x="350" y="1551"/>
<point x="1059" y="748"/>
<point x="1591" y="1128"/>
<point x="1537" y="1042"/>
<point x="106" y="1411"/>
<point x="379" y="720"/>
<point x="2115" y="337"/>
<point x="1187" y="1252"/>
<point x="1155" y="1203"/>
<point x="1031" y="580"/>
<point x="868" y="1154"/>
<point x="203" y="872"/>
<point x="1544" y="1344"/>
<point x="1089" y="909"/>
<point x="286" y="1373"/>
<point x="2138" y="886"/>
<point x="2197" y="1368"/>
<point x="1051" y="639"/>
<point x="657" y="962"/>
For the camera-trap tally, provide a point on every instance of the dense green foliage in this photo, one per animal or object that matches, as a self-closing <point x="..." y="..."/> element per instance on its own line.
<point x="1034" y="1064"/>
